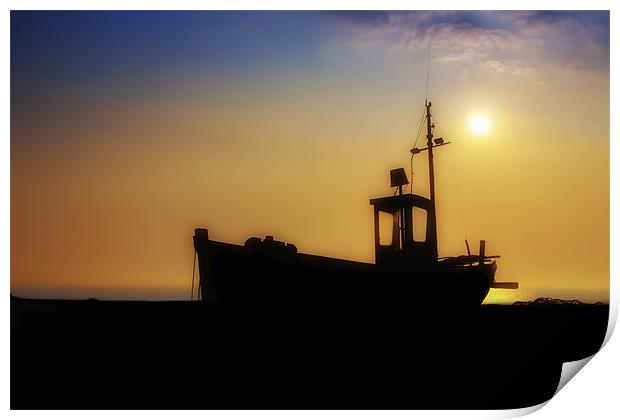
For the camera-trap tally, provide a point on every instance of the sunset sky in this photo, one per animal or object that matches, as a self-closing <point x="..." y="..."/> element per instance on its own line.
<point x="130" y="129"/>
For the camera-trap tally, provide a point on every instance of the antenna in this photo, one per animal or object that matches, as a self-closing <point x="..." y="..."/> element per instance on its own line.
<point x="428" y="71"/>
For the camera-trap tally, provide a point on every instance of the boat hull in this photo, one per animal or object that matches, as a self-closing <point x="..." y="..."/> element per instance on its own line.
<point x="259" y="284"/>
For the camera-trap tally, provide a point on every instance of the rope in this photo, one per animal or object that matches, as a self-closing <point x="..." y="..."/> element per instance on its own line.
<point x="417" y="137"/>
<point x="458" y="193"/>
<point x="193" y="271"/>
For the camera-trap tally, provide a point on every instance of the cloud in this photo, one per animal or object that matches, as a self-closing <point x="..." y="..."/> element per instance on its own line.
<point x="515" y="67"/>
<point x="516" y="43"/>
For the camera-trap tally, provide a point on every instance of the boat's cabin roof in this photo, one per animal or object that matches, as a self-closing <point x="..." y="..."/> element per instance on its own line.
<point x="394" y="203"/>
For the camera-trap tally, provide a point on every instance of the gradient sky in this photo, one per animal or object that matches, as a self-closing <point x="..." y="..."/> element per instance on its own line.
<point x="129" y="129"/>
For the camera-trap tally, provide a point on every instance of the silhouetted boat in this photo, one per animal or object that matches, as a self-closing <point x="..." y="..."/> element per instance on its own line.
<point x="266" y="276"/>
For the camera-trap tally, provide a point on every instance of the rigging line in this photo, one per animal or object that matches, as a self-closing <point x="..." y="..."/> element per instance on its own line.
<point x="417" y="137"/>
<point x="415" y="143"/>
<point x="458" y="193"/>
<point x="193" y="271"/>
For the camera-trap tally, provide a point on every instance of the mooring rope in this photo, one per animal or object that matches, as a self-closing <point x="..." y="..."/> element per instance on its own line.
<point x="193" y="272"/>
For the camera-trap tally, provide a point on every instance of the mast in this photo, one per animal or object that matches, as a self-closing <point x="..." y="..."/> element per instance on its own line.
<point x="432" y="221"/>
<point x="429" y="144"/>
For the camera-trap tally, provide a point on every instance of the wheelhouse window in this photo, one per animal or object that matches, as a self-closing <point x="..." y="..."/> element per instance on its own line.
<point x="388" y="223"/>
<point x="420" y="219"/>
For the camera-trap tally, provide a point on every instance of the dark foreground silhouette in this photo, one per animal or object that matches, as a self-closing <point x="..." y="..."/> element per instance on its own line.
<point x="189" y="355"/>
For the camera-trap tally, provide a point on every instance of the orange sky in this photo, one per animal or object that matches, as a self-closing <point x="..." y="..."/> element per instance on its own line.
<point x="110" y="173"/>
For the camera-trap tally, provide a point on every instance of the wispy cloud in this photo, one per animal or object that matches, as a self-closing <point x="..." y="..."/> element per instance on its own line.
<point x="515" y="43"/>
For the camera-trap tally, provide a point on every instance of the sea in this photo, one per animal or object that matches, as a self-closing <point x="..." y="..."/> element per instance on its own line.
<point x="495" y="296"/>
<point x="508" y="297"/>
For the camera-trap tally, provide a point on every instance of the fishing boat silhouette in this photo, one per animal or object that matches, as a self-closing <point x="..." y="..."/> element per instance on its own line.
<point x="266" y="276"/>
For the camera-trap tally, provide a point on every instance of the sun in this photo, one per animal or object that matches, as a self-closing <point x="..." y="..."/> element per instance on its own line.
<point x="480" y="125"/>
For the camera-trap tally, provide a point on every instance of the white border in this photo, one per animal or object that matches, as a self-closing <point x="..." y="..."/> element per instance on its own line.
<point x="593" y="394"/>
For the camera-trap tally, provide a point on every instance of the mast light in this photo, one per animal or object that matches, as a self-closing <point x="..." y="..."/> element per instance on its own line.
<point x="398" y="177"/>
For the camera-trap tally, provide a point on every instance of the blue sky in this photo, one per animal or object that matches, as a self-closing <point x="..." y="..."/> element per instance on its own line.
<point x="93" y="45"/>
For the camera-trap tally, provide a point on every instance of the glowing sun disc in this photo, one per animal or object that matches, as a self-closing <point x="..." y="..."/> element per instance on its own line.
<point x="480" y="125"/>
